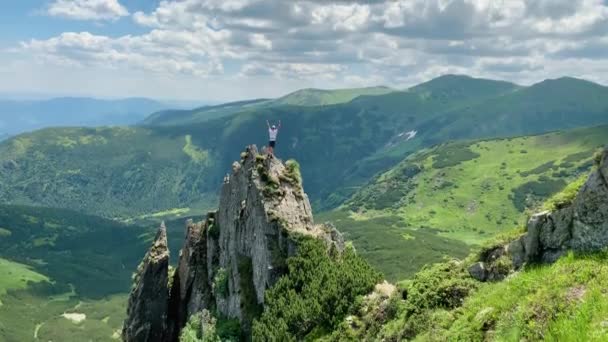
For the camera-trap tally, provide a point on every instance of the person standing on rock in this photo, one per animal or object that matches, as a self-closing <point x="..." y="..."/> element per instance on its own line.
<point x="273" y="131"/>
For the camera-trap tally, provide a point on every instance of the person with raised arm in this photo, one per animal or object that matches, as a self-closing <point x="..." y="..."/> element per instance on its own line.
<point x="273" y="131"/>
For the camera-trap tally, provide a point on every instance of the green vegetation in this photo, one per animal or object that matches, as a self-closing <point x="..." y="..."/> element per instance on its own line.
<point x="390" y="246"/>
<point x="480" y="188"/>
<point x="566" y="196"/>
<point x="16" y="276"/>
<point x="317" y="293"/>
<point x="304" y="97"/>
<point x="198" y="155"/>
<point x="80" y="169"/>
<point x="339" y="146"/>
<point x="5" y="232"/>
<point x="442" y="303"/>
<point x="452" y="155"/>
<point x="200" y="328"/>
<point x="320" y="97"/>
<point x="220" y="282"/>
<point x="84" y="273"/>
<point x="249" y="302"/>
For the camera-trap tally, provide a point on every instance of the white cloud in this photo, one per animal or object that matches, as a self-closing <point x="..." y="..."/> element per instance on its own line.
<point x="316" y="71"/>
<point x="342" y="17"/>
<point x="88" y="9"/>
<point x="398" y="42"/>
<point x="157" y="51"/>
<point x="260" y="40"/>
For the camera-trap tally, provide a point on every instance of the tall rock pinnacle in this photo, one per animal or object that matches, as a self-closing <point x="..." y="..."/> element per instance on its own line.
<point x="147" y="308"/>
<point x="230" y="259"/>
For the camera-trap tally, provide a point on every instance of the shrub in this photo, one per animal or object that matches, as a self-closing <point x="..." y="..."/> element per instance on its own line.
<point x="566" y="196"/>
<point x="453" y="155"/>
<point x="597" y="158"/>
<point x="443" y="285"/>
<point x="541" y="190"/>
<point x="200" y="328"/>
<point x="318" y="291"/>
<point x="228" y="329"/>
<point x="540" y="169"/>
<point x="220" y="282"/>
<point x="213" y="229"/>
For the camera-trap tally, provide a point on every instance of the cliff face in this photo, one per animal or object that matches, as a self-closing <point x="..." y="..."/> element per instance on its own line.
<point x="230" y="259"/>
<point x="147" y="308"/>
<point x="581" y="225"/>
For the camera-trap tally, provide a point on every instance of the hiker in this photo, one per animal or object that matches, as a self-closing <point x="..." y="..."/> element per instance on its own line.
<point x="273" y="131"/>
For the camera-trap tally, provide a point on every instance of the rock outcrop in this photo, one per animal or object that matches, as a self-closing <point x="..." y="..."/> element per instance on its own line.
<point x="147" y="308"/>
<point x="229" y="260"/>
<point x="581" y="226"/>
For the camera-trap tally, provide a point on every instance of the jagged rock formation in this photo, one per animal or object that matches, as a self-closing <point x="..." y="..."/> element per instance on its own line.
<point x="229" y="260"/>
<point x="147" y="308"/>
<point x="582" y="226"/>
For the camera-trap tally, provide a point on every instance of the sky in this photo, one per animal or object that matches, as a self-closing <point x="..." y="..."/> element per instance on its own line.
<point x="222" y="50"/>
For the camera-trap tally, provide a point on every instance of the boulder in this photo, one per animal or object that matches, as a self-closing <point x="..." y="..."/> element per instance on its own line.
<point x="478" y="271"/>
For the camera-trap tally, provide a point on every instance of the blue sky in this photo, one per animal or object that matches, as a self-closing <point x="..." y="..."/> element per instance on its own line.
<point x="220" y="50"/>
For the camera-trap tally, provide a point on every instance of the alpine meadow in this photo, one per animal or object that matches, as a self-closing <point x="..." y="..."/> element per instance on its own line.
<point x="328" y="171"/>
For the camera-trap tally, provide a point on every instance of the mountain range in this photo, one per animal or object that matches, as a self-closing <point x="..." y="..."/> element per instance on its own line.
<point x="167" y="167"/>
<point x="409" y="176"/>
<point x="28" y="115"/>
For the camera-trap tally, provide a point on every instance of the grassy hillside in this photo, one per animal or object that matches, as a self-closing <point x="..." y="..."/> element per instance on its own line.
<point x="201" y="114"/>
<point x="451" y="86"/>
<point x="461" y="192"/>
<point x="548" y="105"/>
<point x="55" y="262"/>
<point x="321" y="97"/>
<point x="106" y="171"/>
<point x="304" y="97"/>
<point x="339" y="146"/>
<point x="561" y="302"/>
<point x="59" y="266"/>
<point x="390" y="246"/>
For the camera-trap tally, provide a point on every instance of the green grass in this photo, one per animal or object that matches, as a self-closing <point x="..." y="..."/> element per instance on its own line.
<point x="198" y="155"/>
<point x="31" y="312"/>
<point x="566" y="196"/>
<point x="80" y="169"/>
<point x="340" y="146"/>
<point x="565" y="301"/>
<point x="474" y="195"/>
<point x="390" y="246"/>
<point x="320" y="97"/>
<point x="85" y="270"/>
<point x="17" y="276"/>
<point x="570" y="307"/>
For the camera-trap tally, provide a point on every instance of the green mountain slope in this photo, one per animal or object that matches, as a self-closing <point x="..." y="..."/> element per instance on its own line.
<point x="560" y="302"/>
<point x="463" y="192"/>
<point x="58" y="261"/>
<point x="322" y="97"/>
<point x="55" y="262"/>
<point x="107" y="171"/>
<point x="180" y="117"/>
<point x="339" y="146"/>
<point x="450" y="86"/>
<point x="509" y="289"/>
<point x="551" y="104"/>
<point x="304" y="97"/>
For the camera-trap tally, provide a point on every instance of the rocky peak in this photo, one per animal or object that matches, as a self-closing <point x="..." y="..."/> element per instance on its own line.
<point x="229" y="260"/>
<point x="147" y="307"/>
<point x="580" y="225"/>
